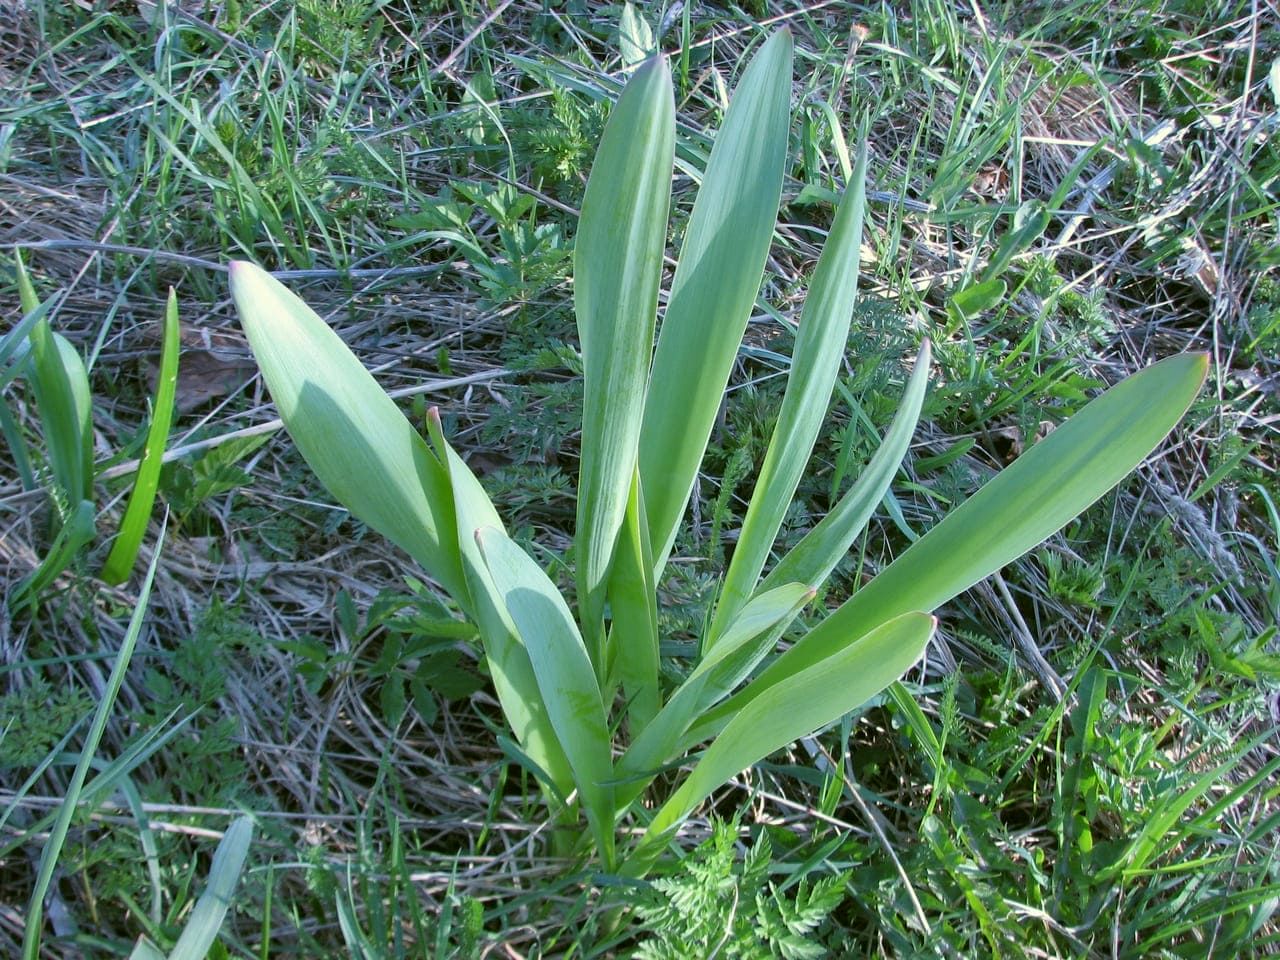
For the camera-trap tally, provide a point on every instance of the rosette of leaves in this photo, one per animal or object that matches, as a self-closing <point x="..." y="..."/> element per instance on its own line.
<point x="577" y="675"/>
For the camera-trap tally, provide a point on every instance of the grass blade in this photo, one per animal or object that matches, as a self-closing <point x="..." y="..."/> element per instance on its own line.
<point x="358" y="443"/>
<point x="224" y="873"/>
<point x="617" y="268"/>
<point x="819" y="350"/>
<point x="58" y="834"/>
<point x="795" y="707"/>
<point x="138" y="512"/>
<point x="565" y="675"/>
<point x="714" y="288"/>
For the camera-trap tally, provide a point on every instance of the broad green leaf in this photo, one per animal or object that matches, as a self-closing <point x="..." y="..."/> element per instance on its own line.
<point x="364" y="451"/>
<point x="138" y="512"/>
<point x="1029" y="222"/>
<point x="1032" y="499"/>
<point x="714" y="288"/>
<point x="767" y="616"/>
<point x="72" y="796"/>
<point x="509" y="664"/>
<point x="819" y="351"/>
<point x="202" y="926"/>
<point x="144" y="949"/>
<point x="565" y="675"/>
<point x="978" y="298"/>
<point x="617" y="268"/>
<point x="795" y="707"/>
<point x="816" y="555"/>
<point x="635" y="39"/>
<point x="633" y="630"/>
<point x="61" y="387"/>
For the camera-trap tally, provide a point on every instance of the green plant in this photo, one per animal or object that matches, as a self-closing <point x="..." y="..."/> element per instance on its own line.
<point x="716" y="906"/>
<point x="59" y="383"/>
<point x="76" y="790"/>
<point x="647" y="418"/>
<point x="199" y="936"/>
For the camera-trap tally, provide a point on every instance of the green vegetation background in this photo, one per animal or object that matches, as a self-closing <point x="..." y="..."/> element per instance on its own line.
<point x="1061" y="193"/>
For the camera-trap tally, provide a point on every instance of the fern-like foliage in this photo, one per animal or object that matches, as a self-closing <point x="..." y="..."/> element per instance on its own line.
<point x="718" y="906"/>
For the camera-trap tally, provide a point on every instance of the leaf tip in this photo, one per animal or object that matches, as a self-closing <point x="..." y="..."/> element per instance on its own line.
<point x="240" y="273"/>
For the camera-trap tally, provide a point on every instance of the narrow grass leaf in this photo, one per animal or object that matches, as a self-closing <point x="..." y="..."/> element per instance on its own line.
<point x="15" y="345"/>
<point x="1032" y="499"/>
<point x="143" y="496"/>
<point x="816" y="555"/>
<point x="795" y="707"/>
<point x="508" y="660"/>
<point x="110" y="777"/>
<point x="361" y="447"/>
<point x="617" y="269"/>
<point x="71" y="799"/>
<point x="1162" y="830"/>
<point x="17" y="445"/>
<point x="714" y="288"/>
<point x="565" y="675"/>
<point x="819" y="351"/>
<point x="206" y="917"/>
<point x="78" y="529"/>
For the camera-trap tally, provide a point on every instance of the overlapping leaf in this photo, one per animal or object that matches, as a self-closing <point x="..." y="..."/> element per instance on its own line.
<point x="617" y="269"/>
<point x="714" y="288"/>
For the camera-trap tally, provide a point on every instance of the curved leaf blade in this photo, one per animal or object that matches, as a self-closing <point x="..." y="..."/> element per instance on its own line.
<point x="211" y="909"/>
<point x="819" y="350"/>
<point x="714" y="288"/>
<point x="762" y="620"/>
<point x="617" y="269"/>
<point x="566" y="678"/>
<point x="60" y="383"/>
<point x="509" y="665"/>
<point x="795" y="707"/>
<point x="1042" y="491"/>
<point x="358" y="443"/>
<point x="816" y="555"/>
<point x="143" y="496"/>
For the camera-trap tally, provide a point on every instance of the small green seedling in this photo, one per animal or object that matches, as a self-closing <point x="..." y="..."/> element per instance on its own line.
<point x="59" y="383"/>
<point x="578" y="676"/>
